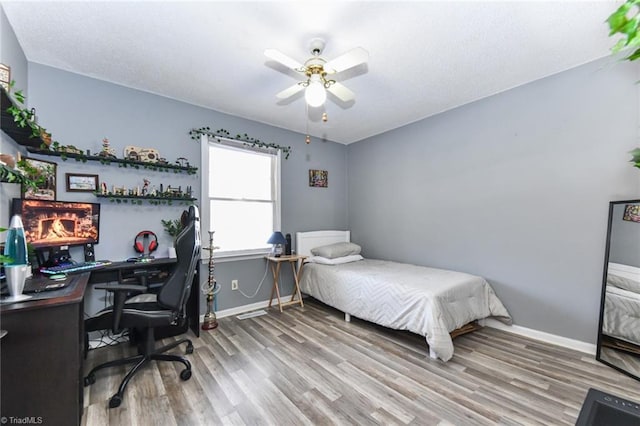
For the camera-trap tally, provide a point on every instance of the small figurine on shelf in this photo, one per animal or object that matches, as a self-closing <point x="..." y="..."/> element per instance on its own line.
<point x="145" y="187"/>
<point x="107" y="151"/>
<point x="104" y="188"/>
<point x="182" y="162"/>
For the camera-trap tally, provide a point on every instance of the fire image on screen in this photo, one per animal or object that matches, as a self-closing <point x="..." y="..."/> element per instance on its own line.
<point x="58" y="223"/>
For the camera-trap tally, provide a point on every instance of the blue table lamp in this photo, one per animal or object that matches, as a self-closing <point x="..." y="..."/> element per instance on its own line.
<point x="278" y="240"/>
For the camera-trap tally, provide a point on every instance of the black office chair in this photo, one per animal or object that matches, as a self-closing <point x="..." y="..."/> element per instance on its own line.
<point x="144" y="312"/>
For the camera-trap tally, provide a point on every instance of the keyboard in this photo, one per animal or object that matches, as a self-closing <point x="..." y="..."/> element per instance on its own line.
<point x="74" y="268"/>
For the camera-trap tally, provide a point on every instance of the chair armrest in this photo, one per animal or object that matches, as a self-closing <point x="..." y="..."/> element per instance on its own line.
<point x="120" y="296"/>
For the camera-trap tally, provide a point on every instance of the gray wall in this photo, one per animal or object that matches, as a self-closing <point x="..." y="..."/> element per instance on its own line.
<point x="11" y="54"/>
<point x="80" y="111"/>
<point x="624" y="246"/>
<point x="514" y="187"/>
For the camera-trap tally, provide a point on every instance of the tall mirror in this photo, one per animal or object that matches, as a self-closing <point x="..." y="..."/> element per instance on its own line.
<point x="619" y="335"/>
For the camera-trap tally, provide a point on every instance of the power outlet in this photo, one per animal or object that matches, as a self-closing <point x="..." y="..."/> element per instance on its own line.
<point x="234" y="284"/>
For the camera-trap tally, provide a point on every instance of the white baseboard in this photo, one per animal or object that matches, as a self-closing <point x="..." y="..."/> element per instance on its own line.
<point x="588" y="348"/>
<point x="565" y="342"/>
<point x="244" y="308"/>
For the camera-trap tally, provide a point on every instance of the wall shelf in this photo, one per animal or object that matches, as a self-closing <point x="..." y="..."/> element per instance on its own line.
<point x="21" y="135"/>
<point x="136" y="200"/>
<point x="121" y="162"/>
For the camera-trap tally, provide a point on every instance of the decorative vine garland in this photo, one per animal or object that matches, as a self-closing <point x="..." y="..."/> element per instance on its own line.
<point x="245" y="139"/>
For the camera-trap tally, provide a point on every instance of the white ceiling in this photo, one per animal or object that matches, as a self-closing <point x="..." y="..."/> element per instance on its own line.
<point x="425" y="57"/>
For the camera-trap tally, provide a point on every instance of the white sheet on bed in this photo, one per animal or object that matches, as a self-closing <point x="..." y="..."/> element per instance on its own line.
<point x="624" y="276"/>
<point x="621" y="317"/>
<point x="428" y="301"/>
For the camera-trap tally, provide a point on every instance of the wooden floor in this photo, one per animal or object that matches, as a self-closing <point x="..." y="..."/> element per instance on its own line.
<point x="308" y="366"/>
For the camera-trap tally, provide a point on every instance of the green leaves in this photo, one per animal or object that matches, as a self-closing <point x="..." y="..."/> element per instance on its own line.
<point x="245" y="139"/>
<point x="635" y="157"/>
<point x="625" y="21"/>
<point x="24" y="117"/>
<point x="172" y="227"/>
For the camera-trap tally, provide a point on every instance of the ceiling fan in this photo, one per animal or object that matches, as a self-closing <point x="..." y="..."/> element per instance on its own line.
<point x="319" y="72"/>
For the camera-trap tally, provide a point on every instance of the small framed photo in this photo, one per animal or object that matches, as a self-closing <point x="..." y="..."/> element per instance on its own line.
<point x="319" y="178"/>
<point x="81" y="183"/>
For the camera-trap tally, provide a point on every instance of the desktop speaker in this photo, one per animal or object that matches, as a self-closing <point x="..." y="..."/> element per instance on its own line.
<point x="89" y="254"/>
<point x="141" y="241"/>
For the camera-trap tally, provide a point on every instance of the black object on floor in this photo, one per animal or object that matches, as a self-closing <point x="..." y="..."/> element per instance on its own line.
<point x="601" y="409"/>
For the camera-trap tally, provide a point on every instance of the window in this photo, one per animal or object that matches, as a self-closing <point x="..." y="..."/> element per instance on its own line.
<point x="241" y="197"/>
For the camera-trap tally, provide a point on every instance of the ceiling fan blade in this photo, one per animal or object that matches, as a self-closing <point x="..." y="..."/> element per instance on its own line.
<point x="278" y="56"/>
<point x="347" y="60"/>
<point x="290" y="91"/>
<point x="341" y="92"/>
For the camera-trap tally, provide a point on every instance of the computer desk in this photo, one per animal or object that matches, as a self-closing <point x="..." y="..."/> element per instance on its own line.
<point x="123" y="272"/>
<point x="41" y="356"/>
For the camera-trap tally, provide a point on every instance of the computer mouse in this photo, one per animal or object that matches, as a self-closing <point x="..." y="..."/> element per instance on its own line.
<point x="132" y="259"/>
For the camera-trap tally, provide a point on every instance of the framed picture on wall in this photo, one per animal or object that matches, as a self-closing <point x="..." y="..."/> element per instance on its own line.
<point x="81" y="183"/>
<point x="43" y="173"/>
<point x="631" y="213"/>
<point x="319" y="178"/>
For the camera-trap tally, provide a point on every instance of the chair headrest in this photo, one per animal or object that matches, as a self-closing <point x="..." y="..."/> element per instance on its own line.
<point x="189" y="215"/>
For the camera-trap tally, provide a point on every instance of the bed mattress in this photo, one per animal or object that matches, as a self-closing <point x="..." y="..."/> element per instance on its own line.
<point x="621" y="317"/>
<point x="427" y="301"/>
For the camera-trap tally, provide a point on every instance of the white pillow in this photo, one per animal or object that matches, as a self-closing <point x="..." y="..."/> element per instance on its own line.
<point x="332" y="251"/>
<point x="335" y="260"/>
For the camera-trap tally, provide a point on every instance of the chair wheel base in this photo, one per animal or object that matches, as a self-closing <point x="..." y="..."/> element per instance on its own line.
<point x="115" y="401"/>
<point x="185" y="374"/>
<point x="189" y="349"/>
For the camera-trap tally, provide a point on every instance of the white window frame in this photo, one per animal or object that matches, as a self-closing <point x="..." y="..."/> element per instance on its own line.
<point x="205" y="143"/>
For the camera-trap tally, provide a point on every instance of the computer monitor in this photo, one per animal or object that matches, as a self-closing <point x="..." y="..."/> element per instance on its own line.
<point x="54" y="226"/>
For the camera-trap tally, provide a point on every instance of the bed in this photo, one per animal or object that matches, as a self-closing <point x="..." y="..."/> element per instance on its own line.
<point x="621" y="319"/>
<point x="427" y="301"/>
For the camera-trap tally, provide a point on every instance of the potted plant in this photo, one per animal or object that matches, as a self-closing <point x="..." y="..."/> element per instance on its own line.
<point x="172" y="226"/>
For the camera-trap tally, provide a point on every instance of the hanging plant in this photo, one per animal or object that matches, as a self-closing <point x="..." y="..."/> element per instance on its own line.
<point x="24" y="117"/>
<point x="245" y="139"/>
<point x="625" y="21"/>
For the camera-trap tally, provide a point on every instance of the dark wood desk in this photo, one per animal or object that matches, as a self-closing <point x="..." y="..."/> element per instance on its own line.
<point x="41" y="356"/>
<point x="122" y="272"/>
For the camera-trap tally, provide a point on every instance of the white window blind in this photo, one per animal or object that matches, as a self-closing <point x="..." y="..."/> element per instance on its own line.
<point x="242" y="186"/>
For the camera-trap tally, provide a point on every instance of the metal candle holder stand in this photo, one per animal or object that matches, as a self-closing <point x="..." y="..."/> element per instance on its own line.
<point x="210" y="321"/>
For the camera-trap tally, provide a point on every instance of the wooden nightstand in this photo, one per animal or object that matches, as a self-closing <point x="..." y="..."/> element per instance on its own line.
<point x="296" y="263"/>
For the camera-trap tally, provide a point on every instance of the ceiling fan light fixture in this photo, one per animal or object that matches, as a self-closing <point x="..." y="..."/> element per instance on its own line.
<point x="315" y="93"/>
